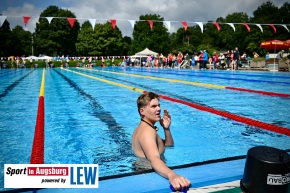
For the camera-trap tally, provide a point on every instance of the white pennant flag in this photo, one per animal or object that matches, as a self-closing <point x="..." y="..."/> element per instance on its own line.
<point x="200" y="25"/>
<point x="260" y="27"/>
<point x="93" y="23"/>
<point x="49" y="19"/>
<point x="285" y="27"/>
<point x="232" y="25"/>
<point x="132" y="23"/>
<point x="2" y="20"/>
<point x="167" y="25"/>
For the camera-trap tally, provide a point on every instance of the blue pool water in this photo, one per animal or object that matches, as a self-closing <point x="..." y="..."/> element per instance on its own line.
<point x="89" y="120"/>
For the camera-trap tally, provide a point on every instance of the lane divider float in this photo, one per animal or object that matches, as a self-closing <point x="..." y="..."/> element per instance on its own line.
<point x="202" y="84"/>
<point x="37" y="153"/>
<point x="245" y="120"/>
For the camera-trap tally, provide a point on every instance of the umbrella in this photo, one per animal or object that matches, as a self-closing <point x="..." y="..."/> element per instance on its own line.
<point x="288" y="43"/>
<point x="274" y="45"/>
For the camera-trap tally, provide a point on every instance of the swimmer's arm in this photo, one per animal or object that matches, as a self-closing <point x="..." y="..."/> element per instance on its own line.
<point x="149" y="146"/>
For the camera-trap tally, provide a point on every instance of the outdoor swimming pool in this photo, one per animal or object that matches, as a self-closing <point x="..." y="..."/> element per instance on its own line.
<point x="90" y="114"/>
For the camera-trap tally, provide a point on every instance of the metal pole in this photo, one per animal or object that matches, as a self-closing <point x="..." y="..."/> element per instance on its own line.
<point x="32" y="46"/>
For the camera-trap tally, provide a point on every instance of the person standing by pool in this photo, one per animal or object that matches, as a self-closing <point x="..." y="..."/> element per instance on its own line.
<point x="148" y="145"/>
<point x="237" y="57"/>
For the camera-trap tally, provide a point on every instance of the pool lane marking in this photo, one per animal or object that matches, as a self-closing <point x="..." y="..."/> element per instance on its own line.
<point x="165" y="79"/>
<point x="224" y="78"/>
<point x="10" y="72"/>
<point x="13" y="85"/>
<point x="106" y="81"/>
<point x="203" y="85"/>
<point x="37" y="153"/>
<point x="248" y="121"/>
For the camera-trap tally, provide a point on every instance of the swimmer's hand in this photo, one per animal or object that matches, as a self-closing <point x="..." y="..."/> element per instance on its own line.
<point x="166" y="120"/>
<point x="179" y="183"/>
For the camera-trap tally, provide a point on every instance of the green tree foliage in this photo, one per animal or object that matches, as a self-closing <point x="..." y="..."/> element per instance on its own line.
<point x="156" y="39"/>
<point x="22" y="41"/>
<point x="58" y="37"/>
<point x="102" y="41"/>
<point x="6" y="40"/>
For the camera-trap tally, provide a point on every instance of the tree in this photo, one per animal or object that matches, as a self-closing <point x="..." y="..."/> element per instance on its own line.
<point x="58" y="37"/>
<point x="6" y="40"/>
<point x="22" y="41"/>
<point x="102" y="41"/>
<point x="156" y="39"/>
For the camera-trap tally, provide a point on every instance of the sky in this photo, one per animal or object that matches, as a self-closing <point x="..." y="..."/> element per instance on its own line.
<point x="124" y="10"/>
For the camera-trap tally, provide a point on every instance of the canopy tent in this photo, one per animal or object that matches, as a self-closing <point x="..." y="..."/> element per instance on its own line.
<point x="45" y="58"/>
<point x="274" y="45"/>
<point x="31" y="57"/>
<point x="146" y="52"/>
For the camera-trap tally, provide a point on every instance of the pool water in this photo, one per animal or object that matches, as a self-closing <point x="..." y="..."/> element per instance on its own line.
<point x="90" y="114"/>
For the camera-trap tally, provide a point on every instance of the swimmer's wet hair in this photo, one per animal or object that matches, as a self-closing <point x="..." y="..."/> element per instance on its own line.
<point x="144" y="99"/>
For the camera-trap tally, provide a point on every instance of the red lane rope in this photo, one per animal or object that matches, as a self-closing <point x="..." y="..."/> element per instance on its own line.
<point x="37" y="154"/>
<point x="252" y="122"/>
<point x="259" y="92"/>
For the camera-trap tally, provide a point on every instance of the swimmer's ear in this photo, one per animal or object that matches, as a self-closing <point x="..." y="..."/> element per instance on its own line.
<point x="141" y="111"/>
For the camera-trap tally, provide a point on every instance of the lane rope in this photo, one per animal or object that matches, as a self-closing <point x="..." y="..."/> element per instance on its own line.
<point x="245" y="120"/>
<point x="202" y="84"/>
<point x="37" y="153"/>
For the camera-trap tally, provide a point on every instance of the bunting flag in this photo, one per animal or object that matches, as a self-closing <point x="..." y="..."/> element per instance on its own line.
<point x="93" y="23"/>
<point x="49" y="19"/>
<point x="260" y="27"/>
<point x="71" y="21"/>
<point x="271" y="25"/>
<point x="200" y="25"/>
<point x="132" y="23"/>
<point x="26" y="19"/>
<point x="2" y="20"/>
<point x="113" y="21"/>
<point x="184" y="23"/>
<point x="281" y="25"/>
<point x="247" y="26"/>
<point x="217" y="25"/>
<point x="167" y="24"/>
<point x="232" y="25"/>
<point x="150" y="23"/>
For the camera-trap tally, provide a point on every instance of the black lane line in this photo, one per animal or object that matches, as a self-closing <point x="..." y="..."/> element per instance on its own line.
<point x="10" y="72"/>
<point x="13" y="85"/>
<point x="208" y="76"/>
<point x="249" y="129"/>
<point x="116" y="132"/>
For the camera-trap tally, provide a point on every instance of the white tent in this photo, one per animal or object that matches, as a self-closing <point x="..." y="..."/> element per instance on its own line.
<point x="31" y="57"/>
<point x="45" y="58"/>
<point x="146" y="52"/>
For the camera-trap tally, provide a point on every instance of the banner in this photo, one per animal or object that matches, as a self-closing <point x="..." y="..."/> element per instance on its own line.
<point x="51" y="176"/>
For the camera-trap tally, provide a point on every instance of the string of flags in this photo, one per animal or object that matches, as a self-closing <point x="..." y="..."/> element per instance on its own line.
<point x="151" y="23"/>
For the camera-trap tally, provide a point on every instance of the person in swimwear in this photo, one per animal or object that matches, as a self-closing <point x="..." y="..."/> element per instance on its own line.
<point x="148" y="145"/>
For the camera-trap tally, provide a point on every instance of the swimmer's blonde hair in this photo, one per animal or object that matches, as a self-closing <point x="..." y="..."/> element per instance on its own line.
<point x="144" y="99"/>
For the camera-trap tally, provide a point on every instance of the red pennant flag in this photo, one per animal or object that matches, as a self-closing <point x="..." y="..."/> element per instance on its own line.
<point x="151" y="23"/>
<point x="113" y="21"/>
<point x="26" y="19"/>
<point x="217" y="25"/>
<point x="71" y="21"/>
<point x="184" y="25"/>
<point x="247" y="26"/>
<point x="271" y="25"/>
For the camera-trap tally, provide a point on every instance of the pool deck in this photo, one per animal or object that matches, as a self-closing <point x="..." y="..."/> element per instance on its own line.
<point x="222" y="176"/>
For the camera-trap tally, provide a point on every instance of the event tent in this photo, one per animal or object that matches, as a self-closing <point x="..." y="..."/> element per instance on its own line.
<point x="146" y="52"/>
